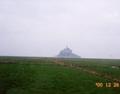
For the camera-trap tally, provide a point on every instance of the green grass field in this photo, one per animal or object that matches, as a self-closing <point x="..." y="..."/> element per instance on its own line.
<point x="22" y="75"/>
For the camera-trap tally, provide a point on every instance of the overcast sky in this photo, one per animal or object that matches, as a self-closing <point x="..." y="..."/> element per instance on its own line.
<point x="91" y="28"/>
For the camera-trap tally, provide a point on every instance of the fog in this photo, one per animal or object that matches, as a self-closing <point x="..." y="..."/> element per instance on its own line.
<point x="91" y="28"/>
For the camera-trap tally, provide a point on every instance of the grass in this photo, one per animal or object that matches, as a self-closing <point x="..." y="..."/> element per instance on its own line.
<point x="99" y="65"/>
<point x="42" y="76"/>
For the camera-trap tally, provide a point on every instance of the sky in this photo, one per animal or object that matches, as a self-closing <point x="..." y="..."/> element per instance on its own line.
<point x="91" y="28"/>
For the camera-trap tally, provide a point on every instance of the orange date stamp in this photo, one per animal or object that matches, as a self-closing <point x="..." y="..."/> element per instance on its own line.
<point x="107" y="85"/>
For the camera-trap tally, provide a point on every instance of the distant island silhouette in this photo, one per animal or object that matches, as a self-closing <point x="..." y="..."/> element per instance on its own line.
<point x="67" y="53"/>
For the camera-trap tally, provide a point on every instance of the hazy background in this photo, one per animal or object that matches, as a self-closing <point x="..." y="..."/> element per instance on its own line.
<point x="91" y="28"/>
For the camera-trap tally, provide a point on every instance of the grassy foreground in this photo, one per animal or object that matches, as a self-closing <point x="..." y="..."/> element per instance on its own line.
<point x="43" y="76"/>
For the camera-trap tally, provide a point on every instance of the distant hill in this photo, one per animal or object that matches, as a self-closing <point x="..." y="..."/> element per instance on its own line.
<point x="67" y="53"/>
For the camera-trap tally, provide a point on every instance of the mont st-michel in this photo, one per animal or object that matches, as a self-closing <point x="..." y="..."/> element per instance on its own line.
<point x="67" y="53"/>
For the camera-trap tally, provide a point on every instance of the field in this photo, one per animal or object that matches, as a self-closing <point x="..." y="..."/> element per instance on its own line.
<point x="33" y="75"/>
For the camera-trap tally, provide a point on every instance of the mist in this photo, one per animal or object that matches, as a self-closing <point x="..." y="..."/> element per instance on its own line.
<point x="91" y="28"/>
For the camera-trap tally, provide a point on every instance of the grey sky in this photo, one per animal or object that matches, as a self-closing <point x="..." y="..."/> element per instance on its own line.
<point x="43" y="27"/>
